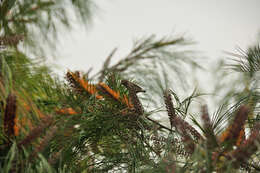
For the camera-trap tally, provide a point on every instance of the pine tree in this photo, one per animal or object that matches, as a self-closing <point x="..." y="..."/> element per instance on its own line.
<point x="105" y="122"/>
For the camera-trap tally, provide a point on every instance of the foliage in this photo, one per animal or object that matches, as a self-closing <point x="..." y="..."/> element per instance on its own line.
<point x="30" y="19"/>
<point x="97" y="123"/>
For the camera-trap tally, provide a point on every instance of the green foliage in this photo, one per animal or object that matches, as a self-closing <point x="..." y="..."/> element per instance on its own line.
<point x="98" y="124"/>
<point x="40" y="19"/>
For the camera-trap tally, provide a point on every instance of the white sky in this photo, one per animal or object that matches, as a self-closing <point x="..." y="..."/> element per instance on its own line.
<point x="216" y="25"/>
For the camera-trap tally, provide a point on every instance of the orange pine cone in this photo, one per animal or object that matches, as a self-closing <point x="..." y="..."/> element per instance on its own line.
<point x="127" y="102"/>
<point x="69" y="111"/>
<point x="16" y="127"/>
<point x="241" y="137"/>
<point x="113" y="93"/>
<point x="91" y="89"/>
<point x="235" y="131"/>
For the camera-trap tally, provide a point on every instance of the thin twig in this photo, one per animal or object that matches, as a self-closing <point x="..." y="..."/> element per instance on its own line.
<point x="162" y="126"/>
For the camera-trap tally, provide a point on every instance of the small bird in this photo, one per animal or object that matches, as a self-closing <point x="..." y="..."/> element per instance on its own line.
<point x="132" y="86"/>
<point x="133" y="90"/>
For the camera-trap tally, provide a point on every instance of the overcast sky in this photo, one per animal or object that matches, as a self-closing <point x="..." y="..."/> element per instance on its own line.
<point x="216" y="26"/>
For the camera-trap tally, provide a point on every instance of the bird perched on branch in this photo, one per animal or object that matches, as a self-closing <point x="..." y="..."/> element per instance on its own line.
<point x="132" y="85"/>
<point x="133" y="90"/>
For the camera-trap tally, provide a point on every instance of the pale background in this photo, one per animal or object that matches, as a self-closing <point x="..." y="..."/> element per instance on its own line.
<point x="216" y="26"/>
